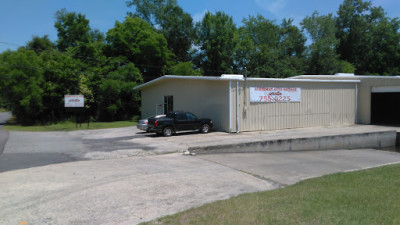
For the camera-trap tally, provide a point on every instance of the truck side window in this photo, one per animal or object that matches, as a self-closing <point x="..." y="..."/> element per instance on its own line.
<point x="190" y="116"/>
<point x="180" y="116"/>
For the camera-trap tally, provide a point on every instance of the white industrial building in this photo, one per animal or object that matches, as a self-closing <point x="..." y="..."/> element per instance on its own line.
<point x="237" y="104"/>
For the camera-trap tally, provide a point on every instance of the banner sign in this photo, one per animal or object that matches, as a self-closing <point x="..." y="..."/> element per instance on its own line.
<point x="275" y="94"/>
<point x="74" y="101"/>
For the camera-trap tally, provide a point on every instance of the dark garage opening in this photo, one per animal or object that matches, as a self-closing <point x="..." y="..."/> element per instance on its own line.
<point x="385" y="108"/>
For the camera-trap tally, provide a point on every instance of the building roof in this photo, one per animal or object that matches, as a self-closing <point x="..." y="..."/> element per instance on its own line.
<point x="344" y="76"/>
<point x="233" y="77"/>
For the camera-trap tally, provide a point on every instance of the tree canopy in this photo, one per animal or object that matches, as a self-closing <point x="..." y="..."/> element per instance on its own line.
<point x="136" y="40"/>
<point x="158" y="37"/>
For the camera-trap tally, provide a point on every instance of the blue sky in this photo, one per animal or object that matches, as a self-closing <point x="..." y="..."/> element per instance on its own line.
<point x="22" y="19"/>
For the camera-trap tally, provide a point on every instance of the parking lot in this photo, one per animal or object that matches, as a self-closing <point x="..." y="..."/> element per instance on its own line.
<point x="124" y="176"/>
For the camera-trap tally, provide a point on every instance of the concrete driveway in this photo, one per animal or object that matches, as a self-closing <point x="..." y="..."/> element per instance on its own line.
<point x="117" y="191"/>
<point x="115" y="176"/>
<point x="286" y="168"/>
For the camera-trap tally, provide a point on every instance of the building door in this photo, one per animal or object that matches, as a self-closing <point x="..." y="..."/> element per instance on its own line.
<point x="168" y="104"/>
<point x="385" y="108"/>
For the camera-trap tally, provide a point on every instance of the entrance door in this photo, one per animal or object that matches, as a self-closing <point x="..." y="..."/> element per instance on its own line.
<point x="385" y="105"/>
<point x="168" y="104"/>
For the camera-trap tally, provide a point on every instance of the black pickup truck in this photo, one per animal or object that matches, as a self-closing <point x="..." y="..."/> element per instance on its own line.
<point x="178" y="121"/>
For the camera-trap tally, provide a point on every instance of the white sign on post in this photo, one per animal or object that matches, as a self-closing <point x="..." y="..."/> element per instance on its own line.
<point x="74" y="101"/>
<point x="275" y="94"/>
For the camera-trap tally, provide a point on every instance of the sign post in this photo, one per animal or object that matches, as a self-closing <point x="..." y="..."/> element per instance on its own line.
<point x="75" y="103"/>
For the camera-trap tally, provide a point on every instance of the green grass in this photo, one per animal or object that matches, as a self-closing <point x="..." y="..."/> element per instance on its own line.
<point x="69" y="126"/>
<point x="364" y="197"/>
<point x="3" y="110"/>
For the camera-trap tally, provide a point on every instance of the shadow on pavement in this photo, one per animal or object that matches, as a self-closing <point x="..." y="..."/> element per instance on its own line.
<point x="16" y="161"/>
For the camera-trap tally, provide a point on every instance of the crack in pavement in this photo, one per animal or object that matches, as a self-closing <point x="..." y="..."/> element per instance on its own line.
<point x="274" y="183"/>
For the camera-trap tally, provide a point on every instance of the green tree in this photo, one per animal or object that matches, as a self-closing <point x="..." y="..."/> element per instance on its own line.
<point x="185" y="68"/>
<point x="40" y="44"/>
<point x="217" y="39"/>
<point x="170" y="20"/>
<point x="270" y="50"/>
<point x="136" y="40"/>
<point x="62" y="76"/>
<point x="150" y="10"/>
<point x="21" y="79"/>
<point x="72" y="28"/>
<point x="368" y="38"/>
<point x="117" y="100"/>
<point x="351" y="26"/>
<point x="323" y="58"/>
<point x="384" y="55"/>
<point x="177" y="27"/>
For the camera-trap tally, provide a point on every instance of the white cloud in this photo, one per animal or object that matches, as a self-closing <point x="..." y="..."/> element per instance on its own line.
<point x="273" y="6"/>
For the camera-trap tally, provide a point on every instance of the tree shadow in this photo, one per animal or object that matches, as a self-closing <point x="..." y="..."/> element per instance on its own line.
<point x="17" y="161"/>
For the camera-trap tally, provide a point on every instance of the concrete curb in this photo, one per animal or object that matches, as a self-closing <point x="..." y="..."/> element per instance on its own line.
<point x="380" y="139"/>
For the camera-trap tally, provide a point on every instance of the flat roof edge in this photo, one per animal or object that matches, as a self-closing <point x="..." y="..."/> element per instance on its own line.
<point x="355" y="76"/>
<point x="291" y="79"/>
<point x="304" y="80"/>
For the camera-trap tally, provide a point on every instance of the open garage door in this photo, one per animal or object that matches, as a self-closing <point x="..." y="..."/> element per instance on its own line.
<point x="385" y="105"/>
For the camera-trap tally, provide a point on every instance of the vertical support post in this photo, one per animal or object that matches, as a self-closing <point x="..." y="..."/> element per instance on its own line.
<point x="237" y="107"/>
<point x="230" y="106"/>
<point x="356" y="104"/>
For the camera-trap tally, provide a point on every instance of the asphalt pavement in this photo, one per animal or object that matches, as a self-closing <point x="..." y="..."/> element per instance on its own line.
<point x="125" y="176"/>
<point x="136" y="189"/>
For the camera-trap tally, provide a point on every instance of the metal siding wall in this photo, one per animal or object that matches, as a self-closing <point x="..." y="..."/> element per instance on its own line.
<point x="150" y="98"/>
<point x="322" y="104"/>
<point x="204" y="98"/>
<point x="364" y="91"/>
<point x="364" y="98"/>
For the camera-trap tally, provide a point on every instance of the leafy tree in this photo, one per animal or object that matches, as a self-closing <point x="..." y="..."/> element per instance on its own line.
<point x="40" y="44"/>
<point x="21" y="84"/>
<point x="150" y="10"/>
<point x="217" y="39"/>
<point x="323" y="58"/>
<point x="72" y="28"/>
<point x="351" y="26"/>
<point x="368" y="38"/>
<point x="170" y="20"/>
<point x="136" y="40"/>
<point x="269" y="50"/>
<point x="185" y="68"/>
<point x="62" y="76"/>
<point x="291" y="50"/>
<point x="117" y="100"/>
<point x="384" y="54"/>
<point x="177" y="27"/>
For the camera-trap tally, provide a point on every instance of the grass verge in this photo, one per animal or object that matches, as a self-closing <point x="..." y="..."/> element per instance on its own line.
<point x="364" y="197"/>
<point x="69" y="126"/>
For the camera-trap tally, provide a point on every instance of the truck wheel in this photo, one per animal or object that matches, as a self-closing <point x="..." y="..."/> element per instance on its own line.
<point x="167" y="131"/>
<point x="205" y="128"/>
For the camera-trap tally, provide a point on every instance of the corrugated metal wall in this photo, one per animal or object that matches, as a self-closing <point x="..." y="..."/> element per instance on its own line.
<point x="364" y="97"/>
<point x="364" y="90"/>
<point x="322" y="104"/>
